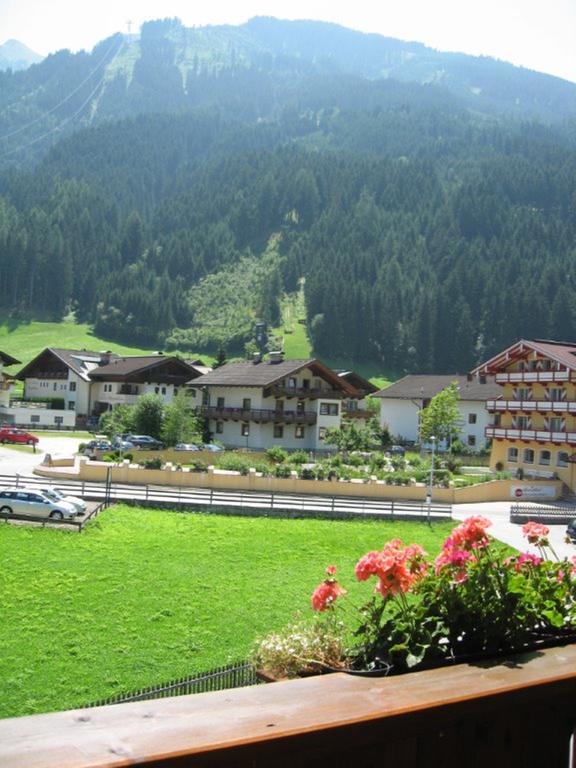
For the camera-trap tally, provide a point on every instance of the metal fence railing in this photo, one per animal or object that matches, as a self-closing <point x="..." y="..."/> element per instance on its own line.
<point x="219" y="679"/>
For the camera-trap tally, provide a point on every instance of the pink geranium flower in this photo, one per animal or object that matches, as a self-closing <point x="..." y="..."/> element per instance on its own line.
<point x="536" y="533"/>
<point x="326" y="594"/>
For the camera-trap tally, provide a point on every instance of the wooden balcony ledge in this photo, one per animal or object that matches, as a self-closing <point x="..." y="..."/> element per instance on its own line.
<point x="517" y="713"/>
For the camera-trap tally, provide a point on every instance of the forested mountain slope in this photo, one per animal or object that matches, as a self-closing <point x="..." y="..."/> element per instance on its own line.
<point x="426" y="234"/>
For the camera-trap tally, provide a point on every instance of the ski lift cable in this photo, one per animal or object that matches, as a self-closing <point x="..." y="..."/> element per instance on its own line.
<point x="64" y="100"/>
<point x="64" y="122"/>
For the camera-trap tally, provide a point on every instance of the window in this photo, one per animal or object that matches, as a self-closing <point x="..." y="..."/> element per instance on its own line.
<point x="321" y="433"/>
<point x="528" y="456"/>
<point x="524" y="393"/>
<point x="299" y="432"/>
<point x="305" y="383"/>
<point x="175" y="391"/>
<point x="512" y="454"/>
<point x="245" y="429"/>
<point x="220" y="402"/>
<point x="328" y="409"/>
<point x="219" y="427"/>
<point x="562" y="459"/>
<point x="556" y="425"/>
<point x="58" y="420"/>
<point x="55" y="386"/>
<point x="71" y="405"/>
<point x="556" y="394"/>
<point x="471" y="440"/>
<point x="34" y="419"/>
<point x="278" y="431"/>
<point x="545" y="457"/>
<point x="471" y="418"/>
<point x="246" y="404"/>
<point x="163" y="390"/>
<point x="72" y="386"/>
<point x="291" y="383"/>
<point x="156" y="390"/>
<point x="523" y="422"/>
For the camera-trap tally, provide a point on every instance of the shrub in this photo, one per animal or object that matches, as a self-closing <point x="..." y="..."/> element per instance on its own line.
<point x="299" y="457"/>
<point x="379" y="461"/>
<point x="277" y="455"/>
<point x="198" y="466"/>
<point x="306" y="473"/>
<point x="454" y="465"/>
<point x="398" y="463"/>
<point x="152" y="463"/>
<point x="354" y="460"/>
<point x="282" y="470"/>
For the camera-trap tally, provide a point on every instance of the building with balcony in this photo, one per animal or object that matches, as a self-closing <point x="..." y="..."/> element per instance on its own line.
<point x="533" y="420"/>
<point x="403" y="402"/>
<point x="68" y="388"/>
<point x="277" y="402"/>
<point x="6" y="381"/>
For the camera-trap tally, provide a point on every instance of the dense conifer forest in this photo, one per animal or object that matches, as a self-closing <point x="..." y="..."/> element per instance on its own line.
<point x="429" y="234"/>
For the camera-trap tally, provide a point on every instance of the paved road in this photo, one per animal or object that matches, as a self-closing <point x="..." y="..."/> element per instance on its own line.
<point x="13" y="461"/>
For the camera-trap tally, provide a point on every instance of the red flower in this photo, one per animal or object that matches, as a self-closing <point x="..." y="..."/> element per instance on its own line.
<point x="536" y="533"/>
<point x="396" y="566"/>
<point x="326" y="594"/>
<point x="331" y="570"/>
<point x="471" y="534"/>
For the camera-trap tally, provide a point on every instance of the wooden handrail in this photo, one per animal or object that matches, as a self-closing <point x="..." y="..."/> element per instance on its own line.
<point x="519" y="713"/>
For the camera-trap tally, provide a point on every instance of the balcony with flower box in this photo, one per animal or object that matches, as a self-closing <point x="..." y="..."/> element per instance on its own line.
<point x="538" y="435"/>
<point x="261" y="415"/>
<point x="532" y="376"/>
<point x="539" y="406"/>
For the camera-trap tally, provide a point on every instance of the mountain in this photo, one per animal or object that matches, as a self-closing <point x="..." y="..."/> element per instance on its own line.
<point x="171" y="189"/>
<point x="15" y="55"/>
<point x="254" y="72"/>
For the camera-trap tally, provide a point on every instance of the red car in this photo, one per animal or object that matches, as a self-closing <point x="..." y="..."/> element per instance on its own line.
<point x="17" y="436"/>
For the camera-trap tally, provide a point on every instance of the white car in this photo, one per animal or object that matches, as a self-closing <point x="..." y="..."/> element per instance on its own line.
<point x="56" y="494"/>
<point x="21" y="501"/>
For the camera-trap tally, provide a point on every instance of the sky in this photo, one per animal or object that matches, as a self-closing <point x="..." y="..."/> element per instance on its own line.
<point x="537" y="34"/>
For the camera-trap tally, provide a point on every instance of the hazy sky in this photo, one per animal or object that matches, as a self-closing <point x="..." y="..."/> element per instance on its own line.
<point x="538" y="34"/>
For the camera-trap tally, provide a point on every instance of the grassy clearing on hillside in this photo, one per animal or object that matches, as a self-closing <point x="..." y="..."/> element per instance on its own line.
<point x="25" y="340"/>
<point x="144" y="596"/>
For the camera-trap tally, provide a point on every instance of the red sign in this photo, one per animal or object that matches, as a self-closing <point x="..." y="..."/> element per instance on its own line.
<point x="518" y="493"/>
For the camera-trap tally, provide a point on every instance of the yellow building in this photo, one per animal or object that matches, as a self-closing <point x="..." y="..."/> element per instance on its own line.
<point x="533" y="422"/>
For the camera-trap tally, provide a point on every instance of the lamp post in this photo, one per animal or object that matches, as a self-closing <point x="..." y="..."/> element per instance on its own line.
<point x="431" y="480"/>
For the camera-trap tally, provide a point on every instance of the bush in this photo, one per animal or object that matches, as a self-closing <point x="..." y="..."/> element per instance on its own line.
<point x="82" y="447"/>
<point x="282" y="471"/>
<point x="277" y="455"/>
<point x="299" y="457"/>
<point x="453" y="464"/>
<point x="306" y="473"/>
<point x="198" y="466"/>
<point x="354" y="460"/>
<point x="379" y="461"/>
<point x="151" y="463"/>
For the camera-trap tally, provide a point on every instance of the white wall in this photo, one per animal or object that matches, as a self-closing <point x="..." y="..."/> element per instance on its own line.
<point x="45" y="417"/>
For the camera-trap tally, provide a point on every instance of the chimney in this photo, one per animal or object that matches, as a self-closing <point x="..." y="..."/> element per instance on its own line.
<point x="105" y="357"/>
<point x="275" y="357"/>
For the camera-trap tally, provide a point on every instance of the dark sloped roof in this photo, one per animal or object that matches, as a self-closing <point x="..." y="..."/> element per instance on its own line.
<point x="358" y="381"/>
<point x="8" y="359"/>
<point x="263" y="374"/>
<point x="81" y="361"/>
<point x="123" y="367"/>
<point x="424" y="386"/>
<point x="563" y="352"/>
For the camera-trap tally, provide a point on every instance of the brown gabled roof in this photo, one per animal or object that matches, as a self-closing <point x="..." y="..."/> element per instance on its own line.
<point x="359" y="382"/>
<point x="8" y="359"/>
<point x="264" y="374"/>
<point x="563" y="352"/>
<point x="80" y="361"/>
<point x="123" y="368"/>
<point x="424" y="386"/>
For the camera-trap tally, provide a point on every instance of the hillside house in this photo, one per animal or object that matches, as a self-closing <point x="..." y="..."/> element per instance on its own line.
<point x="533" y="417"/>
<point x="402" y="403"/>
<point x="71" y="388"/>
<point x="277" y="402"/>
<point x="6" y="384"/>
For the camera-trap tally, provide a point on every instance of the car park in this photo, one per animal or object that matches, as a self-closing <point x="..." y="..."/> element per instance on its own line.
<point x="145" y="442"/>
<point x="121" y="444"/>
<point x="186" y="447"/>
<point x="97" y="445"/>
<point x="571" y="531"/>
<point x="56" y="494"/>
<point x="33" y="503"/>
<point x="9" y="435"/>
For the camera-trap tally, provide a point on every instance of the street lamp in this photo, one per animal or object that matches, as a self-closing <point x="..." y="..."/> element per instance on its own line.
<point x="431" y="480"/>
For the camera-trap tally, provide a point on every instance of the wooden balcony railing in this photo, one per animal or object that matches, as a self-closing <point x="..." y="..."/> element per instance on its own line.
<point x="539" y="435"/>
<point x="256" y="414"/>
<point x="515" y="713"/>
<point x="540" y="406"/>
<point x="520" y="376"/>
<point x="279" y="390"/>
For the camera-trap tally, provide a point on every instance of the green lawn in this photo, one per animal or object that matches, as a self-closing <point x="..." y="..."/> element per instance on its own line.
<point x="25" y="340"/>
<point x="144" y="596"/>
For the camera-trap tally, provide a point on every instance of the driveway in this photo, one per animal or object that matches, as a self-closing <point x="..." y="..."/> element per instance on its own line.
<point x="17" y="461"/>
<point x="511" y="533"/>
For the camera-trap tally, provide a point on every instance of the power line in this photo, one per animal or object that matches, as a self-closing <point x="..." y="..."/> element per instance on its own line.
<point x="67" y="98"/>
<point x="66" y="120"/>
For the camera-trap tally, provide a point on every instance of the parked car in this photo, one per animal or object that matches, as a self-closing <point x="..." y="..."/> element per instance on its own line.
<point x="8" y="435"/>
<point x="145" y="442"/>
<point x="186" y="447"/>
<point x="396" y="450"/>
<point x="121" y="444"/>
<point x="56" y="494"/>
<point x="571" y="531"/>
<point x="20" y="501"/>
<point x="211" y="447"/>
<point x="96" y="445"/>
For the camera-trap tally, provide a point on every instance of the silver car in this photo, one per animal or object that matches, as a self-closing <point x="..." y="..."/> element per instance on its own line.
<point x="56" y="494"/>
<point x="19" y="501"/>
